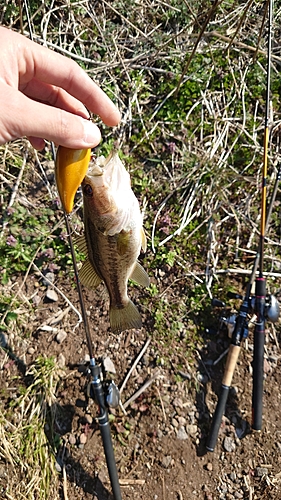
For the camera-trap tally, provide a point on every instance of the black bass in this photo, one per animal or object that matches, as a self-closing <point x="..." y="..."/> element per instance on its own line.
<point x="113" y="238"/>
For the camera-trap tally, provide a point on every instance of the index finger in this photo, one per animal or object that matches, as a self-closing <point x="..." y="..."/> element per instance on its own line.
<point x="50" y="67"/>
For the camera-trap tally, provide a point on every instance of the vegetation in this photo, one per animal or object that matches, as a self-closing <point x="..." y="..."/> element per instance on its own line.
<point x="189" y="79"/>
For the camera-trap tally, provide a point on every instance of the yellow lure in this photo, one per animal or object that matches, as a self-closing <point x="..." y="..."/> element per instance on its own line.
<point x="70" y="170"/>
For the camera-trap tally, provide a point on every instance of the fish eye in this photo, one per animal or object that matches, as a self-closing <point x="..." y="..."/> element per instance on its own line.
<point x="87" y="190"/>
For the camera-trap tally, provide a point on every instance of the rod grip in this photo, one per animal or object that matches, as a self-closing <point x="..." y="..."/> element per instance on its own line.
<point x="110" y="460"/>
<point x="217" y="418"/>
<point x="232" y="357"/>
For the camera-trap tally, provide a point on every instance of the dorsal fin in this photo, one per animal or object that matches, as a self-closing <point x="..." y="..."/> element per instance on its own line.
<point x="88" y="276"/>
<point x="139" y="275"/>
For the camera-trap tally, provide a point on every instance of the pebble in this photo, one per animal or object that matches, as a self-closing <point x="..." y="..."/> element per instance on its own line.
<point x="181" y="434"/>
<point x="209" y="466"/>
<point x="50" y="277"/>
<point x="267" y="368"/>
<point x="61" y="360"/>
<point x="261" y="471"/>
<point x="58" y="466"/>
<point x="191" y="429"/>
<point x="182" y="421"/>
<point x="166" y="461"/>
<point x="71" y="439"/>
<point x="61" y="336"/>
<point x="52" y="295"/>
<point x="31" y="350"/>
<point x="3" y="340"/>
<point x="229" y="444"/>
<point x="88" y="418"/>
<point x="109" y="365"/>
<point x="83" y="438"/>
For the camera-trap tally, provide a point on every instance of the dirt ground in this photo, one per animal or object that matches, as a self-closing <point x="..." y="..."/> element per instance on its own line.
<point x="160" y="442"/>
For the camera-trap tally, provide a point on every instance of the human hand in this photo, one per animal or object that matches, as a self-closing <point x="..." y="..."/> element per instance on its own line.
<point x="44" y="95"/>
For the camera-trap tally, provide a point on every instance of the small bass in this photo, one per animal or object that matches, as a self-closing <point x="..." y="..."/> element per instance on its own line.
<point x="113" y="238"/>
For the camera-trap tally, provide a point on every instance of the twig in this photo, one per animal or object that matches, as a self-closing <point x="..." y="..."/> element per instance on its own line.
<point x="15" y="190"/>
<point x="163" y="487"/>
<point x="64" y="483"/>
<point x="128" y="482"/>
<point x="141" y="390"/>
<point x="162" y="405"/>
<point x="220" y="357"/>
<point x="134" y="365"/>
<point x="62" y="294"/>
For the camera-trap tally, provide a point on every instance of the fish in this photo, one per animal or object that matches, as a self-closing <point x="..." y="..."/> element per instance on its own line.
<point x="113" y="238"/>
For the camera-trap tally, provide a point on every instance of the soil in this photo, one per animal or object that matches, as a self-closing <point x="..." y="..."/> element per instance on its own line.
<point x="160" y="443"/>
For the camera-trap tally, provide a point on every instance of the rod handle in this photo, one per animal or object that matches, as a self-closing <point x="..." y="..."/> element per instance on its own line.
<point x="217" y="418"/>
<point x="232" y="357"/>
<point x="110" y="460"/>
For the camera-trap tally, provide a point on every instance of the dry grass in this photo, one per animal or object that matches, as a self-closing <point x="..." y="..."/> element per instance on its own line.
<point x="191" y="130"/>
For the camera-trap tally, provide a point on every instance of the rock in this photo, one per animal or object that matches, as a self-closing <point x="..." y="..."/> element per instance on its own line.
<point x="267" y="368"/>
<point x="58" y="465"/>
<point x="61" y="360"/>
<point x="191" y="429"/>
<point x="51" y="295"/>
<point x="71" y="439"/>
<point x="261" y="471"/>
<point x="88" y="419"/>
<point x="241" y="431"/>
<point x="209" y="466"/>
<point x="166" y="461"/>
<point x="182" y="421"/>
<point x="238" y="494"/>
<point x="31" y="350"/>
<point x="229" y="444"/>
<point x="83" y="438"/>
<point x="3" y="340"/>
<point x="109" y="365"/>
<point x="48" y="278"/>
<point x="61" y="336"/>
<point x="181" y="434"/>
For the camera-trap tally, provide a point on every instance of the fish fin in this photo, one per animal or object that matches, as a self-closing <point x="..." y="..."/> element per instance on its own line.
<point x="124" y="318"/>
<point x="81" y="243"/>
<point x="143" y="240"/>
<point x="123" y="241"/>
<point x="139" y="275"/>
<point x="88" y="276"/>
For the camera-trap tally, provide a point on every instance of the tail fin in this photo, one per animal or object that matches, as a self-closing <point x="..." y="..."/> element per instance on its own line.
<point x="124" y="318"/>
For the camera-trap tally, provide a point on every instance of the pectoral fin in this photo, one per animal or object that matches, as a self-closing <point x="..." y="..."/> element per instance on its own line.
<point x="139" y="275"/>
<point x="143" y="240"/>
<point x="123" y="242"/>
<point x="88" y="275"/>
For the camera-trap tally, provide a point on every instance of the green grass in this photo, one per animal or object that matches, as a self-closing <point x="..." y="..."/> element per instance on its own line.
<point x="194" y="155"/>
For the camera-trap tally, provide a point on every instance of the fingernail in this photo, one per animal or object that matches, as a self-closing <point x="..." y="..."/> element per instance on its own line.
<point x="92" y="135"/>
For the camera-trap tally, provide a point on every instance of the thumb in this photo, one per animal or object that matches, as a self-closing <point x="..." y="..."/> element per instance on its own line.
<point x="21" y="116"/>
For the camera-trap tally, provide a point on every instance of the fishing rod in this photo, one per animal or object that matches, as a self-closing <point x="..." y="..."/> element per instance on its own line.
<point x="240" y="328"/>
<point x="105" y="394"/>
<point x="265" y="307"/>
<point x="260" y="292"/>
